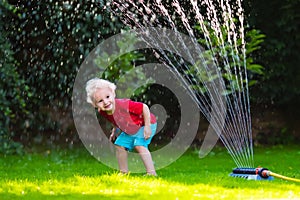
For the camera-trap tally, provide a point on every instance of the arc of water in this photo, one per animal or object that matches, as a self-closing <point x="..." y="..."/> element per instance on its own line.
<point x="236" y="135"/>
<point x="218" y="31"/>
<point x="217" y="123"/>
<point x="204" y="105"/>
<point x="180" y="11"/>
<point x="226" y="11"/>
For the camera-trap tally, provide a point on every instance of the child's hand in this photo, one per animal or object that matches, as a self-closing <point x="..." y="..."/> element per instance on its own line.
<point x="147" y="132"/>
<point x="112" y="136"/>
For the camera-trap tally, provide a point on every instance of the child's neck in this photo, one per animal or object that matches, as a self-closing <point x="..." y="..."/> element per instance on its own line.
<point x="110" y="112"/>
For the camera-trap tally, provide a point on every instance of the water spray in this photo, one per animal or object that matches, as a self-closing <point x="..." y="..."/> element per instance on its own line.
<point x="259" y="173"/>
<point x="227" y="31"/>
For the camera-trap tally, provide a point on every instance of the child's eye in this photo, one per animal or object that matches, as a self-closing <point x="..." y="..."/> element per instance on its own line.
<point x="107" y="97"/>
<point x="100" y="101"/>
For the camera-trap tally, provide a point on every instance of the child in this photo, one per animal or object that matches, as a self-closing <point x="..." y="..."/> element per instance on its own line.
<point x="134" y="119"/>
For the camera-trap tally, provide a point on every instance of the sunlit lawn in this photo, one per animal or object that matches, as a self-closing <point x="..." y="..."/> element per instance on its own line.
<point x="74" y="174"/>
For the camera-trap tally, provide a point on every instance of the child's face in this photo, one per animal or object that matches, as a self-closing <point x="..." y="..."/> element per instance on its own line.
<point x="105" y="100"/>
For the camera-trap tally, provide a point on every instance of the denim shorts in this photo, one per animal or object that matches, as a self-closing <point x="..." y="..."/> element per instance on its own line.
<point x="130" y="141"/>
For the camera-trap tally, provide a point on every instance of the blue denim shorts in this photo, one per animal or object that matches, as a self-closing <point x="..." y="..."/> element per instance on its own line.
<point x="130" y="141"/>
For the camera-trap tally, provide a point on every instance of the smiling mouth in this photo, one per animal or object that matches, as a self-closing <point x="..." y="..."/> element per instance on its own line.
<point x="107" y="106"/>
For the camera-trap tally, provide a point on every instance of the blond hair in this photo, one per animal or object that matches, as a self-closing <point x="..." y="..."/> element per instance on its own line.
<point x="94" y="84"/>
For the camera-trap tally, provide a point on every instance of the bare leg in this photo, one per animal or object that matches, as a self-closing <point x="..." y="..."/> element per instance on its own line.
<point x="147" y="159"/>
<point x="121" y="154"/>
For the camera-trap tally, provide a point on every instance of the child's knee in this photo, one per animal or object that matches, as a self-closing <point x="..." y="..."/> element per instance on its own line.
<point x="141" y="149"/>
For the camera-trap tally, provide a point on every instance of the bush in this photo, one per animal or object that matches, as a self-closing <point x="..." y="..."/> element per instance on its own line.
<point x="279" y="52"/>
<point x="50" y="39"/>
<point x="13" y="91"/>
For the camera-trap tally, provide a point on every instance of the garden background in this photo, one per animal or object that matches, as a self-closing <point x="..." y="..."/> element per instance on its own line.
<point x="43" y="44"/>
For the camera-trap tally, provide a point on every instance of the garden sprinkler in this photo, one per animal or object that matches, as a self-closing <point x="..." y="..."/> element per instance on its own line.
<point x="258" y="174"/>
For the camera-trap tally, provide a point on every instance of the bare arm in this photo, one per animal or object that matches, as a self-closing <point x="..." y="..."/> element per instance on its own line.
<point x="146" y="115"/>
<point x="113" y="136"/>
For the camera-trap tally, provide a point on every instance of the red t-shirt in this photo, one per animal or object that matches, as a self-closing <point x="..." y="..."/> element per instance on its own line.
<point x="128" y="115"/>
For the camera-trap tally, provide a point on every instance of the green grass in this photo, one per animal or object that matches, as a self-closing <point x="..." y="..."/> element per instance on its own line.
<point x="74" y="174"/>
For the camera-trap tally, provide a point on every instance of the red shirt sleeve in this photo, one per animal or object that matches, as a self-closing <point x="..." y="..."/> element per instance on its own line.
<point x="136" y="107"/>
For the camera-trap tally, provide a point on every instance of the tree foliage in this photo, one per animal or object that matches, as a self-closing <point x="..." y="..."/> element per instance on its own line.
<point x="13" y="92"/>
<point x="279" y="21"/>
<point x="43" y="43"/>
<point x="49" y="39"/>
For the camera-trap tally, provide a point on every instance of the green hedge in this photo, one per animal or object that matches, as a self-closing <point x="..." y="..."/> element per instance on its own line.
<point x="43" y="43"/>
<point x="13" y="92"/>
<point x="279" y="21"/>
<point x="49" y="39"/>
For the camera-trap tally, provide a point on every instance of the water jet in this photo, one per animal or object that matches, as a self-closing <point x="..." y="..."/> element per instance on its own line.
<point x="222" y="28"/>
